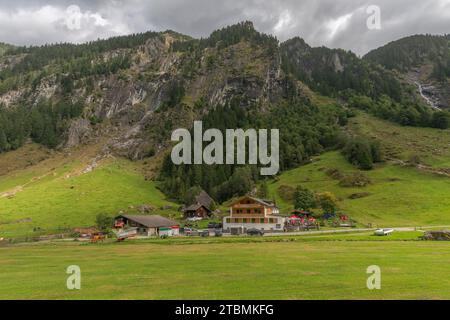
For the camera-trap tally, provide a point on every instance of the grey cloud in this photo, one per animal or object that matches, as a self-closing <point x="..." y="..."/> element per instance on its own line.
<point x="25" y="22"/>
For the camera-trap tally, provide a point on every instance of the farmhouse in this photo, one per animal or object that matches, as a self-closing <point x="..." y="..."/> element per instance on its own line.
<point x="249" y="212"/>
<point x="148" y="225"/>
<point x="201" y="208"/>
<point x="197" y="211"/>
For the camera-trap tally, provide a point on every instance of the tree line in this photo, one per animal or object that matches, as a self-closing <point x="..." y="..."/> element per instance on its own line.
<point x="226" y="37"/>
<point x="412" y="114"/>
<point x="46" y="124"/>
<point x="305" y="130"/>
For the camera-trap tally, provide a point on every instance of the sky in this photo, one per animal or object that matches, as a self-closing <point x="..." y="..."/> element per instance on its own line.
<point x="357" y="25"/>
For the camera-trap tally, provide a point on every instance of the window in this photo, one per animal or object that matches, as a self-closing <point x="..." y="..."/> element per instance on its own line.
<point x="253" y="220"/>
<point x="228" y="220"/>
<point x="261" y="220"/>
<point x="248" y="210"/>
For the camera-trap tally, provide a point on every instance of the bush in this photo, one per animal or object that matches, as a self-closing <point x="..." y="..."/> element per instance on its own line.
<point x="359" y="195"/>
<point x="104" y="222"/>
<point x="327" y="201"/>
<point x="362" y="153"/>
<point x="304" y="199"/>
<point x="355" y="180"/>
<point x="334" y="174"/>
<point x="441" y="120"/>
<point x="286" y="193"/>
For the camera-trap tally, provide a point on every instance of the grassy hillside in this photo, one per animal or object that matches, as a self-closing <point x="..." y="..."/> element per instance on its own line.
<point x="431" y="146"/>
<point x="59" y="193"/>
<point x="400" y="193"/>
<point x="269" y="270"/>
<point x="398" y="196"/>
<point x="43" y="191"/>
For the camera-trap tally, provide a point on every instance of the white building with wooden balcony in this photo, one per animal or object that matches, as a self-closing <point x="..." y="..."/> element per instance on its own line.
<point x="253" y="213"/>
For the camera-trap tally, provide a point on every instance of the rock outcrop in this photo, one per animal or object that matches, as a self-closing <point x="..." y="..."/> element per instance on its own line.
<point x="437" y="235"/>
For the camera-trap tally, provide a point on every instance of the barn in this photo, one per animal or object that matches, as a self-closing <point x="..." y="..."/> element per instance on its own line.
<point x="148" y="225"/>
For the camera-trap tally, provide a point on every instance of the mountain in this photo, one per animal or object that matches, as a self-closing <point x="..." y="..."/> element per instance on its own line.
<point x="330" y="71"/>
<point x="135" y="88"/>
<point x="365" y="84"/>
<point x="72" y="113"/>
<point x="423" y="60"/>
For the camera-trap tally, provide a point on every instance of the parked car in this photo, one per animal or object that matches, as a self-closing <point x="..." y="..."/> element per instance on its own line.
<point x="213" y="225"/>
<point x="255" y="232"/>
<point x="218" y="233"/>
<point x="194" y="219"/>
<point x="383" y="232"/>
<point x="191" y="232"/>
<point x="204" y="233"/>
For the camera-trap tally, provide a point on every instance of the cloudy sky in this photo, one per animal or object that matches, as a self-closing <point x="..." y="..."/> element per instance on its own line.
<point x="334" y="23"/>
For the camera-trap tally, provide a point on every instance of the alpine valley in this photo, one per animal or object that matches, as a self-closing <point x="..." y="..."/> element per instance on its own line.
<point x="85" y="129"/>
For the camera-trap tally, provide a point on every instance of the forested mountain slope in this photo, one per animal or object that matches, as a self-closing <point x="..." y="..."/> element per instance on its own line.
<point x="424" y="60"/>
<point x="127" y="94"/>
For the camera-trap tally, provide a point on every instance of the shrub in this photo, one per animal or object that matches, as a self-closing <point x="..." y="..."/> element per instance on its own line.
<point x="355" y="180"/>
<point x="286" y="193"/>
<point x="358" y="195"/>
<point x="104" y="222"/>
<point x="334" y="174"/>
<point x="304" y="199"/>
<point x="327" y="201"/>
<point x="441" y="120"/>
<point x="362" y="153"/>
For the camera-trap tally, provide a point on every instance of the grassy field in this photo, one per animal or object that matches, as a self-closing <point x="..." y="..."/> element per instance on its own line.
<point x="56" y="193"/>
<point x="397" y="196"/>
<point x="306" y="268"/>
<point x="430" y="146"/>
<point x="42" y="191"/>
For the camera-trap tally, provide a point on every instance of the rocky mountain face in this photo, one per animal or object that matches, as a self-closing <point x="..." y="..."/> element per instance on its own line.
<point x="135" y="90"/>
<point x="335" y="71"/>
<point x="160" y="88"/>
<point x="422" y="61"/>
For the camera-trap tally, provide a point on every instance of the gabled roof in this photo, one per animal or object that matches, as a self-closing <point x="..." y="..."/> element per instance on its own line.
<point x="266" y="203"/>
<point x="195" y="207"/>
<point x="151" y="221"/>
<point x="204" y="199"/>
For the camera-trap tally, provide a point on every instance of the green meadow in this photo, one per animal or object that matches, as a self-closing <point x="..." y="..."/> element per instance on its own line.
<point x="325" y="267"/>
<point x="397" y="196"/>
<point x="53" y="199"/>
<point x="45" y="192"/>
<point x="399" y="193"/>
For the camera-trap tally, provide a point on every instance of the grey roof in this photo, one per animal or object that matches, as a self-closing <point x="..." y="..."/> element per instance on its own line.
<point x="195" y="207"/>
<point x="267" y="203"/>
<point x="151" y="221"/>
<point x="204" y="199"/>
